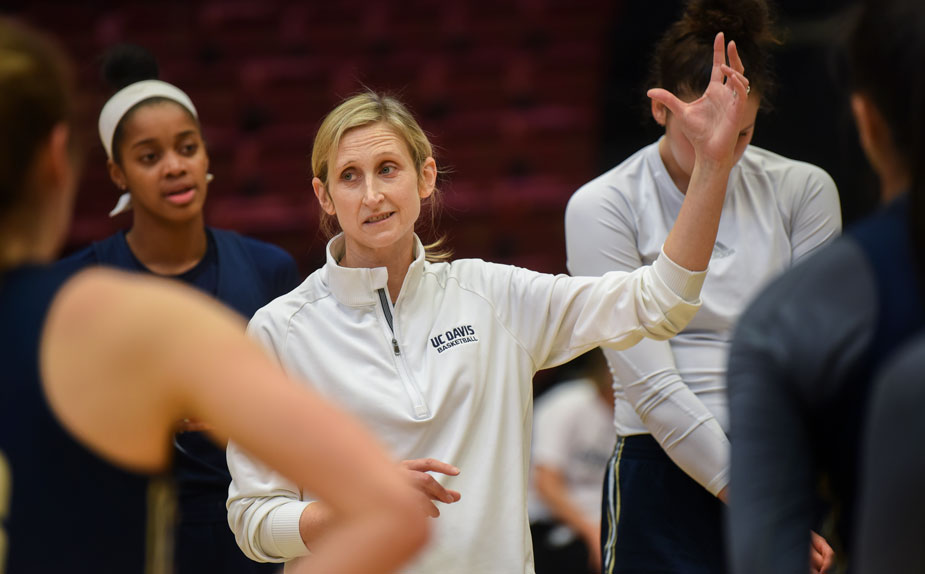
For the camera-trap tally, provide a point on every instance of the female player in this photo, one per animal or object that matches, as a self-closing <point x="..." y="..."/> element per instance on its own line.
<point x="98" y="370"/>
<point x="671" y="411"/>
<point x="807" y="351"/>
<point x="157" y="156"/>
<point x="441" y="355"/>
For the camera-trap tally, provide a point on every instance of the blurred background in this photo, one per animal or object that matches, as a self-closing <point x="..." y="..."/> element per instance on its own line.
<point x="525" y="100"/>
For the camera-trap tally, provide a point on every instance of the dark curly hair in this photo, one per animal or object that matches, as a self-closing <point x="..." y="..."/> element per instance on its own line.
<point x="683" y="57"/>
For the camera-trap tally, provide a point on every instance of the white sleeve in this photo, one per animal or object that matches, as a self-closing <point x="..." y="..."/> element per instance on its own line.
<point x="263" y="507"/>
<point x="263" y="510"/>
<point x="600" y="237"/>
<point x="815" y="214"/>
<point x="555" y="318"/>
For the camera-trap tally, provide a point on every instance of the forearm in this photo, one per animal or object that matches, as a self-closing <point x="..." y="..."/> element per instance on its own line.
<point x="672" y="413"/>
<point x="690" y="241"/>
<point x="316" y="520"/>
<point x="702" y="453"/>
<point x="616" y="310"/>
<point x="550" y="486"/>
<point x="378" y="541"/>
<point x="686" y="430"/>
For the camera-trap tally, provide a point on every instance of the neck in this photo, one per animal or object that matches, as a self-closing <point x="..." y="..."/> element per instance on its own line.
<point x="677" y="175"/>
<point x="396" y="259"/>
<point x="168" y="249"/>
<point x="20" y="250"/>
<point x="23" y="241"/>
<point x="893" y="184"/>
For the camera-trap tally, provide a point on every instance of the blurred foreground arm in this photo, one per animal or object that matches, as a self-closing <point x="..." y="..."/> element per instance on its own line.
<point x="125" y="358"/>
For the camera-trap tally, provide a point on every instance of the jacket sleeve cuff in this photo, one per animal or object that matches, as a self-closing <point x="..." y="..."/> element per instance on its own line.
<point x="685" y="283"/>
<point x="284" y="539"/>
<point x="719" y="482"/>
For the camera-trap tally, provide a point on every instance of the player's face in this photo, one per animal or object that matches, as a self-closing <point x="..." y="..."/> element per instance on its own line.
<point x="375" y="192"/>
<point x="164" y="163"/>
<point x="678" y="153"/>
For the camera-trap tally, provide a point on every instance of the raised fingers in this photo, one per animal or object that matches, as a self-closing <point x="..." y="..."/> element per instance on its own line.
<point x="667" y="99"/>
<point x="734" y="60"/>
<point x="719" y="57"/>
<point x="727" y="71"/>
<point x="736" y="81"/>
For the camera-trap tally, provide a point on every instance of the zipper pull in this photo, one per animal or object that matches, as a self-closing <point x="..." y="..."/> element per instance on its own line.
<point x="395" y="347"/>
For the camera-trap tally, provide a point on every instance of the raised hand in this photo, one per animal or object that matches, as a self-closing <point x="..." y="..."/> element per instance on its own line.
<point x="416" y="472"/>
<point x="712" y="122"/>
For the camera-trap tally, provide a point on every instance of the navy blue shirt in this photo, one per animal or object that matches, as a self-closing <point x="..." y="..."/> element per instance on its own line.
<point x="58" y="491"/>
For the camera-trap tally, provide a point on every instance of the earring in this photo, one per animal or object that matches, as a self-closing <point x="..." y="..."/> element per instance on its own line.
<point x="209" y="177"/>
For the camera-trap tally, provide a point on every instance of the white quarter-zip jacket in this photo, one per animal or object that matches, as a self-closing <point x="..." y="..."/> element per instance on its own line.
<point x="445" y="373"/>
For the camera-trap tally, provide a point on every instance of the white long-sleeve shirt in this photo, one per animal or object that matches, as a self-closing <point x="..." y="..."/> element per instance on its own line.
<point x="446" y="372"/>
<point x="776" y="211"/>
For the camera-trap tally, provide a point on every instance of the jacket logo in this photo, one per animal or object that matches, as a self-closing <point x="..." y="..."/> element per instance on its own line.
<point x="455" y="336"/>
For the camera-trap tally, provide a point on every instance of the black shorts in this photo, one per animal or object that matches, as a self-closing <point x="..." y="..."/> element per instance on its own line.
<point x="655" y="518"/>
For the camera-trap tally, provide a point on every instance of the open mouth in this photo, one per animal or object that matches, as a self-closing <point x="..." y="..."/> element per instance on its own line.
<point x="181" y="196"/>
<point x="380" y="217"/>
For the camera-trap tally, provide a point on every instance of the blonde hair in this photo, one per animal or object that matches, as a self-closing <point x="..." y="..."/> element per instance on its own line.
<point x="36" y="91"/>
<point x="362" y="110"/>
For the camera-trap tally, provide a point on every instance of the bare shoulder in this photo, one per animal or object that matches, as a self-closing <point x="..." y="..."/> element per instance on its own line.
<point x="110" y="304"/>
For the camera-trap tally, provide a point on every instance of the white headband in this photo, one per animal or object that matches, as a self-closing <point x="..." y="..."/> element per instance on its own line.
<point x="124" y="100"/>
<point x="128" y="97"/>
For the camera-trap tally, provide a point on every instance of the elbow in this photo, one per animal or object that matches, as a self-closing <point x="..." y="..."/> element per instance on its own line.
<point x="239" y="522"/>
<point x="674" y="321"/>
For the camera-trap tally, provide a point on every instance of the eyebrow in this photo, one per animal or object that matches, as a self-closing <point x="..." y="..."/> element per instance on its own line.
<point x="143" y="142"/>
<point x="379" y="157"/>
<point x="148" y="141"/>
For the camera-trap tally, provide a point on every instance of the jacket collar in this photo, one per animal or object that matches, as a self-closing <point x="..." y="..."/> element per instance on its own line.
<point x="357" y="286"/>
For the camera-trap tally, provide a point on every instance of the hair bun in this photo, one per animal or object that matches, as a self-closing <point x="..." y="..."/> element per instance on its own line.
<point x="735" y="18"/>
<point x="125" y="64"/>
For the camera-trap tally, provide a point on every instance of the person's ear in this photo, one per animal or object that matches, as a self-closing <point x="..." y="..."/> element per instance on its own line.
<point x="54" y="166"/>
<point x="873" y="130"/>
<point x="324" y="198"/>
<point x="429" y="178"/>
<point x="117" y="175"/>
<point x="659" y="113"/>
